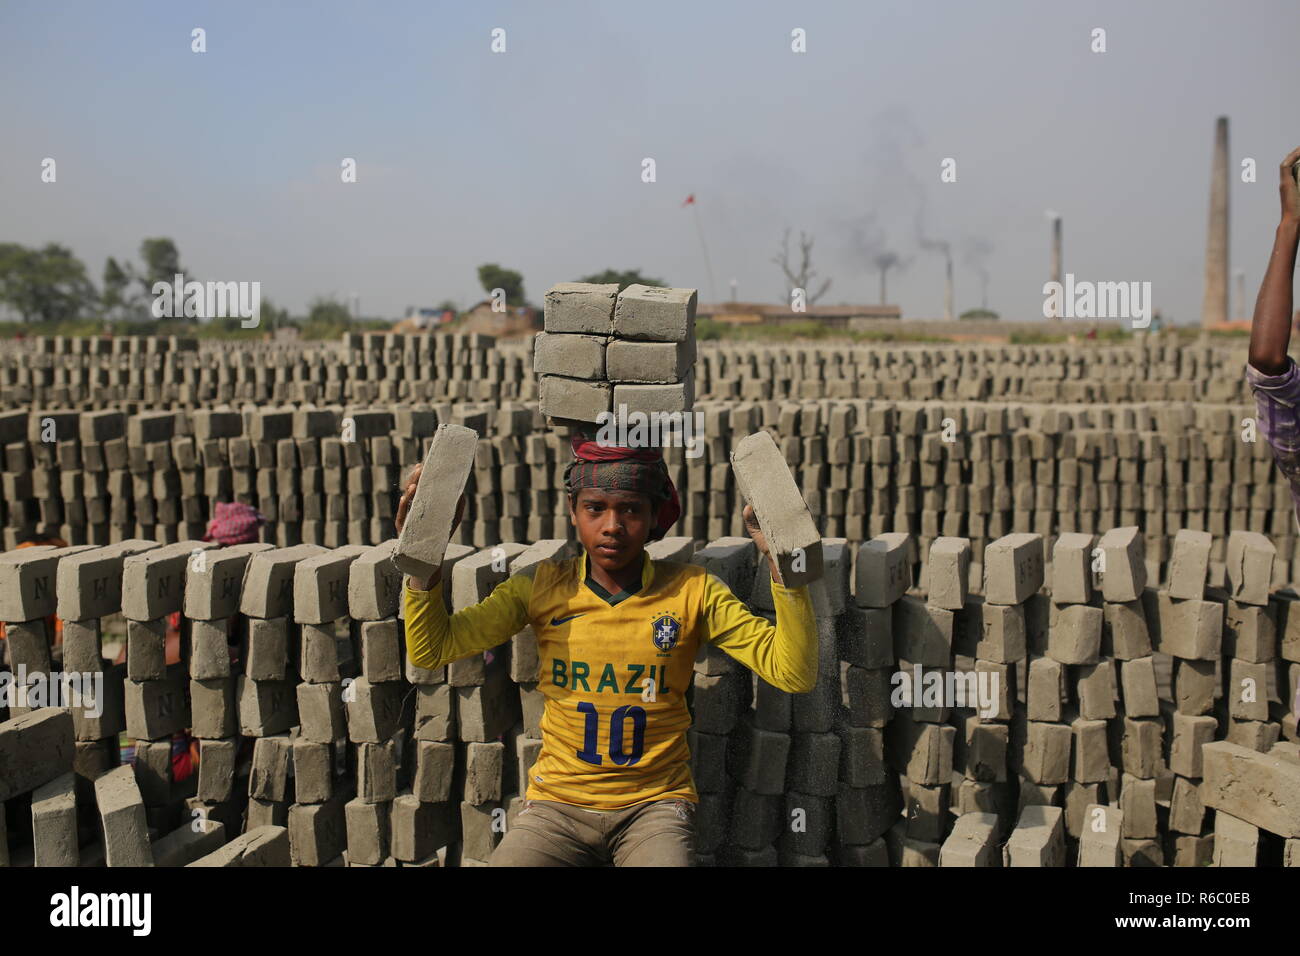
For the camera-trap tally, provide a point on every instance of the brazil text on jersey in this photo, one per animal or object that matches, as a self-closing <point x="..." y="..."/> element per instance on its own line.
<point x="572" y="673"/>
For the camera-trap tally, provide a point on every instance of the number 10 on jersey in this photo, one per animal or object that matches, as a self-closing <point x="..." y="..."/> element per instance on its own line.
<point x="617" y="722"/>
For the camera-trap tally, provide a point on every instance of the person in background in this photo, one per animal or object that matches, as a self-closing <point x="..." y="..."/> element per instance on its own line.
<point x="1271" y="372"/>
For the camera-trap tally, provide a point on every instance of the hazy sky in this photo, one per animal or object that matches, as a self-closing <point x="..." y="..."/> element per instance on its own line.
<point x="532" y="158"/>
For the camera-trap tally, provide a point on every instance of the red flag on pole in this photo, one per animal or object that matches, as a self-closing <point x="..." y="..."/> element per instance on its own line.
<point x="690" y="200"/>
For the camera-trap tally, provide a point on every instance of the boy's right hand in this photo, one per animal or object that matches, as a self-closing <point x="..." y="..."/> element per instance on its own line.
<point x="1290" y="189"/>
<point x="408" y="495"/>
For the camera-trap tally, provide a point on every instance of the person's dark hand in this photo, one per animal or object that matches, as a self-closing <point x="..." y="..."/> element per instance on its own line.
<point x="1289" y="188"/>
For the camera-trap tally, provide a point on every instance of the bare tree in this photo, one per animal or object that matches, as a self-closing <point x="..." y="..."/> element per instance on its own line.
<point x="806" y="273"/>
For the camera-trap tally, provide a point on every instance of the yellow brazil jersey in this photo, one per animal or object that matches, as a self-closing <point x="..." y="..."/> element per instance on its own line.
<point x="615" y="668"/>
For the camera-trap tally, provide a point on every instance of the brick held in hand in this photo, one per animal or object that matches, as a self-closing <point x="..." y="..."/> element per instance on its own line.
<point x="765" y="481"/>
<point x="447" y="467"/>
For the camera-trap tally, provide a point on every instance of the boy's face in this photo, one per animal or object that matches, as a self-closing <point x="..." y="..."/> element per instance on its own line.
<point x="612" y="525"/>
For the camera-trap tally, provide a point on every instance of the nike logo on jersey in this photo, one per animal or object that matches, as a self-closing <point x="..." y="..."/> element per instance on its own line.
<point x="557" y="621"/>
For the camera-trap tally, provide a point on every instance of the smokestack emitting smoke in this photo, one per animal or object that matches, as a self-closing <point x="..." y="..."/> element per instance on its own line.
<point x="884" y="262"/>
<point x="947" y="289"/>
<point x="1215" y="306"/>
<point x="939" y="245"/>
<point x="1057" y="276"/>
<point x="975" y="253"/>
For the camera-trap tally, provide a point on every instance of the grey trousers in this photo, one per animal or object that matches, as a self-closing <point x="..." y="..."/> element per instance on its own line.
<point x="546" y="833"/>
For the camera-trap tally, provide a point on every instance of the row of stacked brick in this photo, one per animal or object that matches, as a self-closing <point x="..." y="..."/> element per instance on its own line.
<point x="1054" y="708"/>
<point x="360" y="368"/>
<point x="156" y="371"/>
<point x="1131" y="373"/>
<point x="318" y="475"/>
<point x="318" y="743"/>
<point x="329" y="475"/>
<point x="1019" y="726"/>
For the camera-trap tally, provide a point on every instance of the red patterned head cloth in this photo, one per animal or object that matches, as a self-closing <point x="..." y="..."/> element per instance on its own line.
<point x="611" y="468"/>
<point x="234" y="522"/>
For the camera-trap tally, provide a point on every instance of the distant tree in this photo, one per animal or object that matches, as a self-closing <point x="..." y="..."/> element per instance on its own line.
<point x="800" y="278"/>
<point x="15" y="273"/>
<point x="273" y="317"/>
<point x="979" y="314"/>
<point x="624" y="278"/>
<point x="118" y="299"/>
<point x="328" y="310"/>
<point x="162" y="260"/>
<point x="492" y="276"/>
<point x="48" y="284"/>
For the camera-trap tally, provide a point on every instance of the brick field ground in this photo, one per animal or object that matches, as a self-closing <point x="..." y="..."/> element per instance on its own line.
<point x="1090" y="535"/>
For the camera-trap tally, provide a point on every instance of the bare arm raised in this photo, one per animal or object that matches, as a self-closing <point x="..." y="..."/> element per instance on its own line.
<point x="1270" y="331"/>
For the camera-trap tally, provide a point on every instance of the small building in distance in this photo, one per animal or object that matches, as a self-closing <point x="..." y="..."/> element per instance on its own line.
<point x="421" y="318"/>
<point x="848" y="318"/>
<point x="515" y="321"/>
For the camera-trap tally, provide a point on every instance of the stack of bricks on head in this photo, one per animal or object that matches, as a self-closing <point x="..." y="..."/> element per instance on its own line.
<point x="604" y="351"/>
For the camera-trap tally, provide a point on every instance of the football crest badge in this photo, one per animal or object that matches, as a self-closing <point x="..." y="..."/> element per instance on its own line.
<point x="664" y="630"/>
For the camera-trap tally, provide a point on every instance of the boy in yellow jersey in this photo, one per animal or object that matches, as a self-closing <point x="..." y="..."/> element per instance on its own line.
<point x="617" y="637"/>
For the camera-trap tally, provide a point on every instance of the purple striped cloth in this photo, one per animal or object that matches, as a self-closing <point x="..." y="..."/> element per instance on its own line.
<point x="1277" y="411"/>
